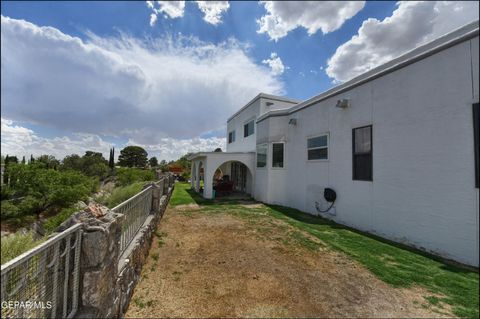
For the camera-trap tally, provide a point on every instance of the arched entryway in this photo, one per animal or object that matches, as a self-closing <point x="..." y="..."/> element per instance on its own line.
<point x="236" y="180"/>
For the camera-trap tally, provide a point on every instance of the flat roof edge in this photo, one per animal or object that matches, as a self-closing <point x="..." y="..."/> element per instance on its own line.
<point x="267" y="96"/>
<point x="444" y="42"/>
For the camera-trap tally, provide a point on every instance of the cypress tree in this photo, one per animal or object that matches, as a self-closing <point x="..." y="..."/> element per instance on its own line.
<point x="23" y="160"/>
<point x="111" y="160"/>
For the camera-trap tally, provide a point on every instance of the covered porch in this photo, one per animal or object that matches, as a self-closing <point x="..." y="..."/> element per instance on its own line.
<point x="222" y="173"/>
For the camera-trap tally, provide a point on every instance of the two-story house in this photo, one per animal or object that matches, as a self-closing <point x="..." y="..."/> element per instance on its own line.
<point x="398" y="145"/>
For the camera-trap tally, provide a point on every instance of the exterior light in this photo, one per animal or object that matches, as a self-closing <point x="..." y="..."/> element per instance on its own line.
<point x="343" y="103"/>
<point x="292" y="122"/>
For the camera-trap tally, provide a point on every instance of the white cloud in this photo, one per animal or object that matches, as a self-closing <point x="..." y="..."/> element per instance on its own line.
<point x="285" y="16"/>
<point x="143" y="90"/>
<point x="21" y="141"/>
<point x="411" y="24"/>
<point x="213" y="10"/>
<point x="275" y="64"/>
<point x="170" y="9"/>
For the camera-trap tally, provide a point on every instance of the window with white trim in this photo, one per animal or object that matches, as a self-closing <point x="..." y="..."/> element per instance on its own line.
<point x="231" y="137"/>
<point x="262" y="155"/>
<point x="317" y="148"/>
<point x="278" y="155"/>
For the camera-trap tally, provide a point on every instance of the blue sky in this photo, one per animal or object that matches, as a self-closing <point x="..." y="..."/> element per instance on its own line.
<point x="186" y="68"/>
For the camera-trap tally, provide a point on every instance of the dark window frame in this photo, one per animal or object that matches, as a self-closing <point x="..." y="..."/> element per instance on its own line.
<point x="245" y="128"/>
<point x="476" y="138"/>
<point x="283" y="155"/>
<point x="231" y="137"/>
<point x="357" y="155"/>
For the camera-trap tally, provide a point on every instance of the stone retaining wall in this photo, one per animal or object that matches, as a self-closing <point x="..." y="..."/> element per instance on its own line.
<point x="107" y="279"/>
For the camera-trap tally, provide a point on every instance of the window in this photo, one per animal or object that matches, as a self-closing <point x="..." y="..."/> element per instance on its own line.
<point x="261" y="155"/>
<point x="248" y="129"/>
<point x="362" y="153"/>
<point x="231" y="137"/>
<point x="476" y="138"/>
<point x="277" y="154"/>
<point x="317" y="148"/>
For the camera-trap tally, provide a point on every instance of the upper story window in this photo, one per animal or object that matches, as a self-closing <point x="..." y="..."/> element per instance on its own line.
<point x="249" y="128"/>
<point x="261" y="155"/>
<point x="362" y="153"/>
<point x="231" y="137"/>
<point x="278" y="154"/>
<point x="317" y="148"/>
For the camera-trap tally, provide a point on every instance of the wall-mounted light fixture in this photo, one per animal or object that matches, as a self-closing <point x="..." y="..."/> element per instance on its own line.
<point x="292" y="122"/>
<point x="269" y="103"/>
<point x="343" y="103"/>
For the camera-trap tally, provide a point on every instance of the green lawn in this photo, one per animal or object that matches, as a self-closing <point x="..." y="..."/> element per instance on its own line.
<point x="396" y="264"/>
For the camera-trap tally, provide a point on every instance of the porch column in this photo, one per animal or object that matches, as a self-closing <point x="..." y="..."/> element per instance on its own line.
<point x="192" y="175"/>
<point x="197" y="177"/>
<point x="208" y="173"/>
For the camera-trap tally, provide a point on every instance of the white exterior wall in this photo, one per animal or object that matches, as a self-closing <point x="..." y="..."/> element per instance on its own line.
<point x="252" y="112"/>
<point x="423" y="191"/>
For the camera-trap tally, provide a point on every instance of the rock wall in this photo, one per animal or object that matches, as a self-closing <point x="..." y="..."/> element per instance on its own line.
<point x="107" y="279"/>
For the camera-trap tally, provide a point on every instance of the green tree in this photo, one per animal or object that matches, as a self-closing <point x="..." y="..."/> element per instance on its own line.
<point x="133" y="156"/>
<point x="32" y="160"/>
<point x="93" y="164"/>
<point x="47" y="189"/>
<point x="48" y="161"/>
<point x="23" y="160"/>
<point x="72" y="162"/>
<point x="111" y="160"/>
<point x="218" y="150"/>
<point x="153" y="162"/>
<point x="163" y="165"/>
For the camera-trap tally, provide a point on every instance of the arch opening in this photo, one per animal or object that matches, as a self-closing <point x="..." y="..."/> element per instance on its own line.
<point x="235" y="180"/>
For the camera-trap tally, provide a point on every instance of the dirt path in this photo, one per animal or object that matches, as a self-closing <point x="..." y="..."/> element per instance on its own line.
<point x="216" y="265"/>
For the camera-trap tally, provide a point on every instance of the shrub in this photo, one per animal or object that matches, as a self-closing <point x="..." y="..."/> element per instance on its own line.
<point x="121" y="194"/>
<point x="53" y="222"/>
<point x="16" y="244"/>
<point x="127" y="176"/>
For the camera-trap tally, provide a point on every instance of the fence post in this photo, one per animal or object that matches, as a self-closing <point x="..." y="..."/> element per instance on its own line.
<point x="99" y="259"/>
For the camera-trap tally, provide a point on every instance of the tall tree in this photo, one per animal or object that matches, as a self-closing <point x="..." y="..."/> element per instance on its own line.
<point x="133" y="156"/>
<point x="32" y="160"/>
<point x="153" y="162"/>
<point x="23" y="160"/>
<point x="111" y="160"/>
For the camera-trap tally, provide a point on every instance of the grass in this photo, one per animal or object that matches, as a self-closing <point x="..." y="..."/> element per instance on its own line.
<point x="121" y="194"/>
<point x="53" y="222"/>
<point x="16" y="244"/>
<point x="395" y="264"/>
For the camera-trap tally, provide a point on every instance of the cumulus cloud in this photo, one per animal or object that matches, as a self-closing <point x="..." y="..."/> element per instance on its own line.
<point x="212" y="10"/>
<point x="170" y="9"/>
<point x="22" y="141"/>
<point x="410" y="25"/>
<point x="285" y="16"/>
<point x="275" y="64"/>
<point x="122" y="86"/>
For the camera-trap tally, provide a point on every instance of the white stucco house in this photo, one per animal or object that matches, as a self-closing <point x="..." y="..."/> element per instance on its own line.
<point x="398" y="145"/>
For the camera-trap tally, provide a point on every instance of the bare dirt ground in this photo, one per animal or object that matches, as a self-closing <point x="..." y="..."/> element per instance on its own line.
<point x="217" y="265"/>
